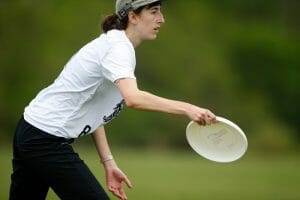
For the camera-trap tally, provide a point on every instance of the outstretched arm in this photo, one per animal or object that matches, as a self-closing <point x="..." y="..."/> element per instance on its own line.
<point x="114" y="176"/>
<point x="138" y="99"/>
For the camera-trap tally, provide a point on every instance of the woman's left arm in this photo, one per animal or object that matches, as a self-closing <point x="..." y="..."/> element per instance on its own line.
<point x="114" y="176"/>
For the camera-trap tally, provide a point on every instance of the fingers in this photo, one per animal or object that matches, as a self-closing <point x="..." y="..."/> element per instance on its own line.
<point x="205" y="117"/>
<point x="211" y="117"/>
<point x="117" y="189"/>
<point x="122" y="193"/>
<point x="201" y="121"/>
<point x="118" y="192"/>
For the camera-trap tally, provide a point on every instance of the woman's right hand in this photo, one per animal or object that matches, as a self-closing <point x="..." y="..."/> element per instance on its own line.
<point x="114" y="179"/>
<point x="201" y="115"/>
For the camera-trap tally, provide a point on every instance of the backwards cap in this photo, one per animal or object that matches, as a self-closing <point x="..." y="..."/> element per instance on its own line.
<point x="123" y="7"/>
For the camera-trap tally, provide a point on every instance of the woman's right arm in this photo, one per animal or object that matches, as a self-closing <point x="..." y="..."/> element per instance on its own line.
<point x="141" y="100"/>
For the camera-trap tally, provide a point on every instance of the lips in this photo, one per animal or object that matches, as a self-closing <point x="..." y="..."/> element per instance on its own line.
<point x="156" y="29"/>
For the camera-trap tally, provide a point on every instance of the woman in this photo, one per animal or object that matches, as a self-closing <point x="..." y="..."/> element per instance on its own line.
<point x="90" y="91"/>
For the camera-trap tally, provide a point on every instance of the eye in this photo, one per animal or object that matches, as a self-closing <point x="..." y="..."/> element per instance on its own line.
<point x="153" y="11"/>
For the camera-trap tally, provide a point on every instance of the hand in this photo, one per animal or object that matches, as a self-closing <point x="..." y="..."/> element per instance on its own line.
<point x="114" y="179"/>
<point x="201" y="115"/>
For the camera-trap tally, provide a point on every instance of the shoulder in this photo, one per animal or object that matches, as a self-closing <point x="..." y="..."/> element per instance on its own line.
<point x="116" y="35"/>
<point x="118" y="39"/>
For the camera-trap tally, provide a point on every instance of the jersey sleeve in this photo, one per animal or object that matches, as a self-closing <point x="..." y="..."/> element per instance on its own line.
<point x="119" y="62"/>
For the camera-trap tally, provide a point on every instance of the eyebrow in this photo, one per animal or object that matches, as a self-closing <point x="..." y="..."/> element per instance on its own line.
<point x="155" y="8"/>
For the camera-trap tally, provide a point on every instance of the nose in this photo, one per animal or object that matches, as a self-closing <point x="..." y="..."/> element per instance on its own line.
<point x="161" y="19"/>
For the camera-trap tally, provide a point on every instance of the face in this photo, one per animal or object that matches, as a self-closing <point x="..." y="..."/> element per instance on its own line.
<point x="148" y="23"/>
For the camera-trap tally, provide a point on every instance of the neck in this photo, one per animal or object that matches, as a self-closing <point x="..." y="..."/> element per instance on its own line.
<point x="134" y="39"/>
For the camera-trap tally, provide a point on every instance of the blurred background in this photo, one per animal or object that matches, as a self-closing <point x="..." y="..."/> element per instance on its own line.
<point x="238" y="58"/>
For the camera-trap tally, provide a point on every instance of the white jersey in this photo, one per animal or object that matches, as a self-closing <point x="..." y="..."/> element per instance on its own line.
<point x="84" y="95"/>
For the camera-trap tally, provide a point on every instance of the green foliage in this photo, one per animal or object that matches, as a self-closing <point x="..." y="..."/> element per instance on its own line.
<point x="240" y="59"/>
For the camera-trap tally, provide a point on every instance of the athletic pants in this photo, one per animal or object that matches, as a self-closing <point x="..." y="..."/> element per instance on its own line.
<point x="41" y="160"/>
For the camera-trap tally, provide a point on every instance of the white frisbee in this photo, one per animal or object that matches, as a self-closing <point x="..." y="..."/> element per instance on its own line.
<point x="222" y="141"/>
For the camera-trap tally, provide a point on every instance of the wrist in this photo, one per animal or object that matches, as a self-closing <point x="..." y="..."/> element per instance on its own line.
<point x="107" y="159"/>
<point x="187" y="108"/>
<point x="108" y="162"/>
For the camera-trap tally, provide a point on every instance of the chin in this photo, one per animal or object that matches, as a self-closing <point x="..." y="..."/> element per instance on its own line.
<point x="152" y="37"/>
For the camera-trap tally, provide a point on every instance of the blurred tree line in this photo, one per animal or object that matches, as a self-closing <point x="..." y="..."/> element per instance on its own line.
<point x="238" y="58"/>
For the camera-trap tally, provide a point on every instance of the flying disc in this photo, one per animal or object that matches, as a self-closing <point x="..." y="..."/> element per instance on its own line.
<point x="222" y="141"/>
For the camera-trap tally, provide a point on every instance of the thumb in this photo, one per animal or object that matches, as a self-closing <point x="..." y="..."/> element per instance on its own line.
<point x="127" y="181"/>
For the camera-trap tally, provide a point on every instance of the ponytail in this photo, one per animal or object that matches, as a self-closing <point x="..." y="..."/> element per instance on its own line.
<point x="113" y="22"/>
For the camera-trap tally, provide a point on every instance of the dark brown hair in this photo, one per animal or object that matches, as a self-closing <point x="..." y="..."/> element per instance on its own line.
<point x="113" y="22"/>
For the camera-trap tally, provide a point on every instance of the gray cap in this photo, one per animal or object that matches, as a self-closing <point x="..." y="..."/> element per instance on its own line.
<point x="123" y="7"/>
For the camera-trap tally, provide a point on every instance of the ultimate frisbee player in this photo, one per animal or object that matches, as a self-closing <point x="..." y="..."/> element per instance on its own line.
<point x="90" y="91"/>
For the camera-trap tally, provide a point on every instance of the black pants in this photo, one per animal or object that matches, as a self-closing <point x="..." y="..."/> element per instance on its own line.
<point x="42" y="160"/>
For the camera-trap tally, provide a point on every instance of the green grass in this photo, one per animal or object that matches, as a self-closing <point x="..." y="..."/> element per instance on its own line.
<point x="186" y="176"/>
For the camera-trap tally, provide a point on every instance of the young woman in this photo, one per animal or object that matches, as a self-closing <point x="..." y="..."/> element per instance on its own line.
<point x="90" y="91"/>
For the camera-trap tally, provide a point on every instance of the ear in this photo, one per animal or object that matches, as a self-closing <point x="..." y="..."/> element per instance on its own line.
<point x="132" y="18"/>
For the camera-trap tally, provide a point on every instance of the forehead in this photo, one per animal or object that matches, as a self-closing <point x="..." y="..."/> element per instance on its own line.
<point x="157" y="7"/>
<point x="152" y="9"/>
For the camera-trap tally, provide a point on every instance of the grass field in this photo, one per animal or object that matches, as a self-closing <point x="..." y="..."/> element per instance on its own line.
<point x="164" y="175"/>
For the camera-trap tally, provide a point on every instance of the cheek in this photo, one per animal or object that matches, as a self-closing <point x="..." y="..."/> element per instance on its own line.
<point x="147" y="23"/>
<point x="145" y="29"/>
<point x="149" y="26"/>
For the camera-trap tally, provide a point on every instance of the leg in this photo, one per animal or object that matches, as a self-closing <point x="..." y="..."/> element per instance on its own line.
<point x="25" y="184"/>
<point x="50" y="161"/>
<point x="73" y="180"/>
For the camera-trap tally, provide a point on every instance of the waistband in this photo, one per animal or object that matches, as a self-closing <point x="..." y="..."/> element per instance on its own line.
<point x="23" y="124"/>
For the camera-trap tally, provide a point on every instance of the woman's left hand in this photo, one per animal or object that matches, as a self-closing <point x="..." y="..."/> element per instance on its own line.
<point x="114" y="179"/>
